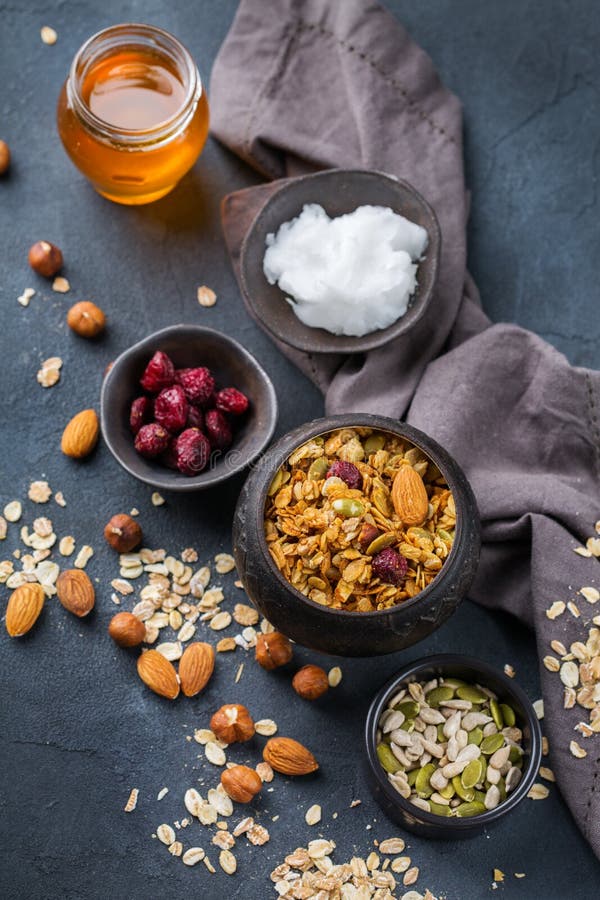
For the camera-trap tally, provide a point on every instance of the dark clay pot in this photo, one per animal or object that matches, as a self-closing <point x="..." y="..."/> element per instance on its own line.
<point x="336" y="631"/>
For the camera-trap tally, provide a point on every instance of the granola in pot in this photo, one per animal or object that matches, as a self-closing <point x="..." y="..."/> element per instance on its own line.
<point x="359" y="519"/>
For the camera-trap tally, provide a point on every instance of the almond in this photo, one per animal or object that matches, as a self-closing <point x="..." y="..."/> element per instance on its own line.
<point x="80" y="436"/>
<point x="24" y="606"/>
<point x="158" y="674"/>
<point x="76" y="592"/>
<point x="196" y="667"/>
<point x="126" y="630"/>
<point x="289" y="757"/>
<point x="409" y="497"/>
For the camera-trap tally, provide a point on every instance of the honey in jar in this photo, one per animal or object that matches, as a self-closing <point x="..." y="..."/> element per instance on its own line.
<point x="132" y="114"/>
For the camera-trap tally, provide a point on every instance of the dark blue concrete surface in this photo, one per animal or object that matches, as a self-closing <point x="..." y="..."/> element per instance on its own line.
<point x="78" y="730"/>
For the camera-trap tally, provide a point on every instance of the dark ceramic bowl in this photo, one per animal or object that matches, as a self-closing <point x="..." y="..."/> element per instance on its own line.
<point x="338" y="191"/>
<point x="337" y="631"/>
<point x="425" y="823"/>
<point x="231" y="364"/>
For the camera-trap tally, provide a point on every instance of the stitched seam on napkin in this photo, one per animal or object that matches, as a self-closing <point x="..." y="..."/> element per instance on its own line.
<point x="594" y="421"/>
<point x="390" y="80"/>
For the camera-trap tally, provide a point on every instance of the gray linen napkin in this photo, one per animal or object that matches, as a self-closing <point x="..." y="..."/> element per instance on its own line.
<point x="311" y="84"/>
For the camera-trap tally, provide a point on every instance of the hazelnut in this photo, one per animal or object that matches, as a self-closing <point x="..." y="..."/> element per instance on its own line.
<point x="232" y="723"/>
<point x="4" y="157"/>
<point x="45" y="259"/>
<point x="123" y="533"/>
<point x="367" y="535"/>
<point x="273" y="650"/>
<point x="310" y="682"/>
<point x="241" y="783"/>
<point x="126" y="630"/>
<point x="86" y="319"/>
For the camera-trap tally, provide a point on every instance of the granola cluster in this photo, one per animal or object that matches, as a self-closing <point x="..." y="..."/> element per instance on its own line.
<point x="341" y="540"/>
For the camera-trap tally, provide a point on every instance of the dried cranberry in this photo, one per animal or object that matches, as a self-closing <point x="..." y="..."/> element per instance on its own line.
<point x="347" y="471"/>
<point x="140" y="413"/>
<point x="217" y="429"/>
<point x="159" y="373"/>
<point x="192" y="451"/>
<point x="195" y="418"/>
<point x="389" y="566"/>
<point x="198" y="384"/>
<point x="152" y="440"/>
<point x="230" y="400"/>
<point x="171" y="408"/>
<point x="169" y="457"/>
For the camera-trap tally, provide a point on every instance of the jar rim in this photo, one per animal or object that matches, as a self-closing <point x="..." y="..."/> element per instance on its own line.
<point x="102" y="44"/>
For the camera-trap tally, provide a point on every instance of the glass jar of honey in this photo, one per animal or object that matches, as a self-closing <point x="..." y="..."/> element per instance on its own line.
<point x="132" y="114"/>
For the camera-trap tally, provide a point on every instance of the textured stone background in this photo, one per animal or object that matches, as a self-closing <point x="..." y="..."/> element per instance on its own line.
<point x="78" y="730"/>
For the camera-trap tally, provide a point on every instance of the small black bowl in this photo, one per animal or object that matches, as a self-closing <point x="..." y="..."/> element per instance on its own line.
<point x="338" y="191"/>
<point x="232" y="366"/>
<point x="338" y="631"/>
<point x="425" y="823"/>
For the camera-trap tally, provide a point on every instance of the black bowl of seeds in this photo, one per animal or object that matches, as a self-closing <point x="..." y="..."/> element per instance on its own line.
<point x="452" y="746"/>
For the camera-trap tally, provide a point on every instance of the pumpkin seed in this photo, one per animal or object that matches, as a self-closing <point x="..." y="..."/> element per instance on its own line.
<point x="448" y="792"/>
<point x="381" y="542"/>
<point x="412" y="776"/>
<point x="422" y="786"/>
<point x="466" y="810"/>
<point x="439" y="809"/>
<point x="318" y="469"/>
<point x="472" y="694"/>
<point x="497" y="714"/>
<point x="440" y="734"/>
<point x="387" y="759"/>
<point x="515" y="756"/>
<point x="410" y="708"/>
<point x="472" y="774"/>
<point x="382" y="500"/>
<point x="475" y="736"/>
<point x="454" y="682"/>
<point x="508" y="714"/>
<point x="466" y="794"/>
<point x="348" y="508"/>
<point x="374" y="443"/>
<point x="435" y="697"/>
<point x="491" y="743"/>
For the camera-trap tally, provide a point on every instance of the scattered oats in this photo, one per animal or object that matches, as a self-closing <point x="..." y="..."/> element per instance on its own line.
<point x="3" y="528"/>
<point x="558" y="647"/>
<point x="151" y="634"/>
<point x="569" y="674"/>
<point x="171" y="650"/>
<point x="573" y="609"/>
<point x="192" y="856"/>
<point x="372" y="861"/>
<point x="134" y="511"/>
<point x="26" y="296"/>
<point x="132" y="801"/>
<point x="538" y="792"/>
<point x="176" y="848"/>
<point x="593" y="545"/>
<point x="206" y="297"/>
<point x="224" y="563"/>
<point x="582" y="551"/>
<point x="162" y="793"/>
<point x="165" y="834"/>
<point x="13" y="511"/>
<point x="557" y="609"/>
<point x="49" y="372"/>
<point x="509" y="670"/>
<point x="547" y="773"/>
<point x="157" y="499"/>
<point x="238" y="584"/>
<point x="577" y="750"/>
<point x="392" y="846"/>
<point x="519" y="874"/>
<point x="538" y="706"/>
<point x="222" y="803"/>
<point x="209" y="865"/>
<point x="48" y="35"/>
<point x="186" y="632"/>
<point x="224" y="840"/>
<point x="83" y="557"/>
<point x="591" y="594"/>
<point x="245" y="615"/>
<point x="227" y="861"/>
<point x="203" y="735"/>
<point x="122" y="586"/>
<point x="545" y="746"/>
<point x="498" y="875"/>
<point x="39" y="491"/>
<point x="258" y="835"/>
<point x="220" y="621"/>
<point x="411" y="876"/>
<point x="215" y="754"/>
<point x="584" y="729"/>
<point x="266" y="627"/>
<point x="67" y="545"/>
<point x="313" y="815"/>
<point x="189" y="555"/>
<point x="266" y="727"/>
<point x="243" y="826"/>
<point x="265" y="772"/>
<point x="226" y="644"/>
<point x="59" y="498"/>
<point x="355" y="803"/>
<point x="42" y="526"/>
<point x="551" y="663"/>
<point x="238" y="674"/>
<point x="61" y="285"/>
<point x="334" y="676"/>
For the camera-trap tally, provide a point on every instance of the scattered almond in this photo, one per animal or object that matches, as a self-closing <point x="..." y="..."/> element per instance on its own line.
<point x="24" y="607"/>
<point x="289" y="757"/>
<point x="81" y="434"/>
<point x="76" y="592"/>
<point x="196" y="667"/>
<point x="158" y="674"/>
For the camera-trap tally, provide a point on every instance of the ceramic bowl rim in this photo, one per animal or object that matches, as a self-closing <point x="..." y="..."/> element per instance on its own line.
<point x="512" y="689"/>
<point x="329" y="342"/>
<point x="167" y="481"/>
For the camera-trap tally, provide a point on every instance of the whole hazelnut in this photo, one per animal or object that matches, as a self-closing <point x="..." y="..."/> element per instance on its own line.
<point x="45" y="259"/>
<point x="4" y="157"/>
<point x="232" y="723"/>
<point x="273" y="650"/>
<point x="310" y="682"/>
<point x="126" y="630"/>
<point x="123" y="533"/>
<point x="241" y="783"/>
<point x="367" y="535"/>
<point x="86" y="319"/>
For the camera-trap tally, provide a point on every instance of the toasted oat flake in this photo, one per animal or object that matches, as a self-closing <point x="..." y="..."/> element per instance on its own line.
<point x="162" y="793"/>
<point x="257" y="835"/>
<point x="220" y="621"/>
<point x="165" y="834"/>
<point x="245" y="615"/>
<point x="265" y="772"/>
<point x="122" y="586"/>
<point x="538" y="706"/>
<point x="171" y="650"/>
<point x="132" y="800"/>
<point x="545" y="746"/>
<point x="334" y="676"/>
<point x="13" y="511"/>
<point x="157" y="499"/>
<point x="61" y="285"/>
<point x="582" y="551"/>
<point x="556" y="609"/>
<point x="538" y="792"/>
<point x="48" y="375"/>
<point x="411" y="876"/>
<point x="591" y="594"/>
<point x="577" y="750"/>
<point x="547" y="773"/>
<point x="176" y="848"/>
<point x="313" y="814"/>
<point x="39" y="491"/>
<point x="3" y="528"/>
<point x="551" y="663"/>
<point x="48" y="35"/>
<point x="224" y="563"/>
<point x="573" y="609"/>
<point x="192" y="856"/>
<point x="83" y="557"/>
<point x="266" y="727"/>
<point x="215" y="754"/>
<point x="392" y="846"/>
<point x="186" y="632"/>
<point x="209" y="865"/>
<point x="189" y="555"/>
<point x="569" y="674"/>
<point x="238" y="674"/>
<point x="59" y="498"/>
<point x="226" y="644"/>
<point x="203" y="735"/>
<point x="584" y="729"/>
<point x="593" y="545"/>
<point x="206" y="296"/>
<point x="227" y="861"/>
<point x="26" y="296"/>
